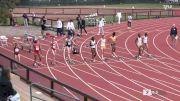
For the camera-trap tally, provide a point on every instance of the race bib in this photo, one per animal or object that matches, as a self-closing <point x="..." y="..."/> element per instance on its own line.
<point x="69" y="43"/>
<point x="147" y="92"/>
<point x="54" y="46"/>
<point x="16" y="50"/>
<point x="37" y="48"/>
<point x="176" y="37"/>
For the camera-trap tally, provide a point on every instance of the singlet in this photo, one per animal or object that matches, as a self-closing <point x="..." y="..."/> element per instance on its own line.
<point x="36" y="48"/>
<point x="93" y="44"/>
<point x="129" y="18"/>
<point x="16" y="50"/>
<point x="145" y="39"/>
<point x="113" y="39"/>
<point x="53" y="46"/>
<point x="68" y="42"/>
<point x="103" y="42"/>
<point x="139" y="41"/>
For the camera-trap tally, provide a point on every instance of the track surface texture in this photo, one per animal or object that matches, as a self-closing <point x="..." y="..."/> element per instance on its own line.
<point x="116" y="80"/>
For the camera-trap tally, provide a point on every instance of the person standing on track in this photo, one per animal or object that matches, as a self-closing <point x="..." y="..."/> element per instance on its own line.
<point x="82" y="26"/>
<point x="145" y="44"/>
<point x="173" y="34"/>
<point x="129" y="21"/>
<point x="59" y="27"/>
<point x="103" y="46"/>
<point x="26" y="20"/>
<point x="78" y="19"/>
<point x="93" y="48"/>
<point x="101" y="26"/>
<point x="54" y="46"/>
<point x="16" y="52"/>
<point x="37" y="52"/>
<point x="43" y="26"/>
<point x="70" y="28"/>
<point x="112" y="41"/>
<point x="139" y="44"/>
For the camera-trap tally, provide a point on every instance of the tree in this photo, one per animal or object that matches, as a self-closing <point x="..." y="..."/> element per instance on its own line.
<point x="5" y="7"/>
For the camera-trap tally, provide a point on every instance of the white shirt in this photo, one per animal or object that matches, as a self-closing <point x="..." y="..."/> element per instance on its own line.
<point x="59" y="24"/>
<point x="103" y="42"/>
<point x="101" y="23"/>
<point x="70" y="25"/>
<point x="139" y="41"/>
<point x="130" y="18"/>
<point x="93" y="44"/>
<point x="145" y="39"/>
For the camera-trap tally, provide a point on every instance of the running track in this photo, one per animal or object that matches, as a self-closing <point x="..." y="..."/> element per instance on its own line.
<point x="116" y="80"/>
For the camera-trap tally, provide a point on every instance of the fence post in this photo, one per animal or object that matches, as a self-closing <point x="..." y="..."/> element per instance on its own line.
<point x="29" y="10"/>
<point x="30" y="92"/>
<point x="148" y="15"/>
<point x="125" y="16"/>
<point x="97" y="11"/>
<point x="27" y="75"/>
<point x="85" y="98"/>
<point x="173" y="13"/>
<point x="45" y="11"/>
<point x="52" y="87"/>
<point x="11" y="64"/>
<point x="160" y="13"/>
<point x="51" y="23"/>
<point x="80" y="11"/>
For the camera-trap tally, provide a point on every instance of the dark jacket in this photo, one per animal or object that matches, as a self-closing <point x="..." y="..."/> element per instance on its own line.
<point x="173" y="31"/>
<point x="83" y="23"/>
<point x="6" y="89"/>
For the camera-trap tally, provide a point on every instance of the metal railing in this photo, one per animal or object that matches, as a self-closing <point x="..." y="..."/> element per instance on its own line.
<point x="39" y="86"/>
<point x="33" y="77"/>
<point x="110" y="14"/>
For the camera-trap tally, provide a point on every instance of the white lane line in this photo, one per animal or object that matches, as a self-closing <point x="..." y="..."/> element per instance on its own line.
<point x="118" y="72"/>
<point x="146" y="65"/>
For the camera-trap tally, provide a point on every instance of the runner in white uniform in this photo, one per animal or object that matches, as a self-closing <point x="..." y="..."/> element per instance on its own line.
<point x="93" y="48"/>
<point x="103" y="46"/>
<point x="145" y="43"/>
<point x="139" y="44"/>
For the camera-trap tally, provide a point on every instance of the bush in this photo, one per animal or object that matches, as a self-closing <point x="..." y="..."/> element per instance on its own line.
<point x="5" y="9"/>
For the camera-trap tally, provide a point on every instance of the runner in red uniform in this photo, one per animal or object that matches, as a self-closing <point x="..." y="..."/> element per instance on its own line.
<point x="37" y="52"/>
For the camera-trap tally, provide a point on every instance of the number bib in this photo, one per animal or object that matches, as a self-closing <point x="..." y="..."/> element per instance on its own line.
<point x="17" y="50"/>
<point x="37" y="48"/>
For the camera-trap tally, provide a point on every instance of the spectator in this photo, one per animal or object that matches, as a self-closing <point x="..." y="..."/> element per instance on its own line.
<point x="26" y="20"/>
<point x="33" y="17"/>
<point x="129" y="21"/>
<point x="12" y="23"/>
<point x="6" y="89"/>
<point x="43" y="26"/>
<point x="82" y="26"/>
<point x="101" y="26"/>
<point x="70" y="25"/>
<point x="78" y="19"/>
<point x="70" y="28"/>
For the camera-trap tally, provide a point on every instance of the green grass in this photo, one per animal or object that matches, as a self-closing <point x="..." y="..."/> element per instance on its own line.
<point x="143" y="5"/>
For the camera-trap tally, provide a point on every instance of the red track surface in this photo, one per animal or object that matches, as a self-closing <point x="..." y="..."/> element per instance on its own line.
<point x="117" y="80"/>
